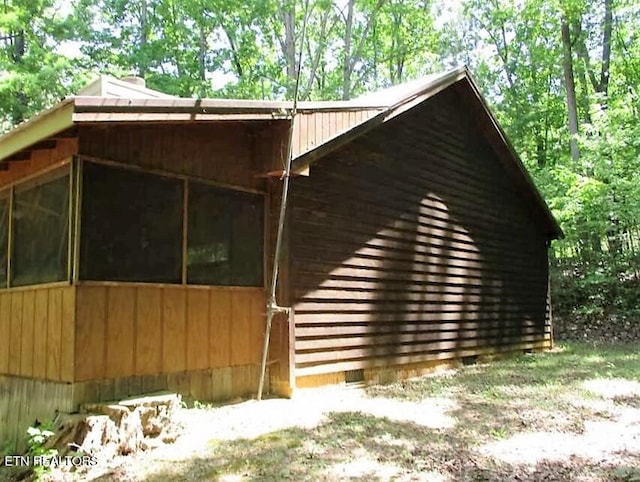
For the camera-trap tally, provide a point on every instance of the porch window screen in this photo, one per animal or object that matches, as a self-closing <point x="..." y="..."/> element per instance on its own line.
<point x="40" y="232"/>
<point x="131" y="226"/>
<point x="224" y="237"/>
<point x="4" y="237"/>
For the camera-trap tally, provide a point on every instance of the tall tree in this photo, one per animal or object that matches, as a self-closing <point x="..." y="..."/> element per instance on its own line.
<point x="33" y="73"/>
<point x="570" y="89"/>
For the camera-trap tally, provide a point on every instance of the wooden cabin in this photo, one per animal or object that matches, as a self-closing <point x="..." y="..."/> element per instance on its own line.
<point x="137" y="231"/>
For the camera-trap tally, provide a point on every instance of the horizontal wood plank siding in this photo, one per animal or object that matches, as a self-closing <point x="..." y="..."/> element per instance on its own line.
<point x="412" y="244"/>
<point x="37" y="332"/>
<point x="130" y="330"/>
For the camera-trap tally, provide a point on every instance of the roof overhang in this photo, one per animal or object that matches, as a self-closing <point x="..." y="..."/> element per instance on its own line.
<point x="92" y="109"/>
<point x="38" y="128"/>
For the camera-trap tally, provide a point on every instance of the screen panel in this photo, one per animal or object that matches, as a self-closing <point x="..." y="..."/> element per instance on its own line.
<point x="225" y="237"/>
<point x="131" y="226"/>
<point x="40" y="231"/>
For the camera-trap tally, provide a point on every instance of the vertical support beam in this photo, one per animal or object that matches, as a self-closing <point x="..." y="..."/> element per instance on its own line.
<point x="185" y="224"/>
<point x="77" y="206"/>
<point x="10" y="236"/>
<point x="70" y="219"/>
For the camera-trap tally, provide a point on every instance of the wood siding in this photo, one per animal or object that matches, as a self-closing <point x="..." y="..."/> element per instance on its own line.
<point x="37" y="332"/>
<point x="38" y="160"/>
<point x="412" y="244"/>
<point x="126" y="330"/>
<point x="231" y="153"/>
<point x="316" y="127"/>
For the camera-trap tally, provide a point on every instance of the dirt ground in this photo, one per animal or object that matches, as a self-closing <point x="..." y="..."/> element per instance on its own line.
<point x="571" y="415"/>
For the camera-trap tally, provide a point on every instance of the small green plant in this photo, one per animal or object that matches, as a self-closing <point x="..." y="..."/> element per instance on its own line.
<point x="498" y="432"/>
<point x="202" y="405"/>
<point x="37" y="437"/>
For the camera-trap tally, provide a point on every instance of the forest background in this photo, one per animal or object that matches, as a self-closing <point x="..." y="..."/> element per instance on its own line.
<point x="562" y="77"/>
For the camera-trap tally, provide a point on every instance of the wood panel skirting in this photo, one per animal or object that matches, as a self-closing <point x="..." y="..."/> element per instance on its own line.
<point x="24" y="400"/>
<point x="113" y="330"/>
<point x="126" y="330"/>
<point x="39" y="324"/>
<point x="377" y="372"/>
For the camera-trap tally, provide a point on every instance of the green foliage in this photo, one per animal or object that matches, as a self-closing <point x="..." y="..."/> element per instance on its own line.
<point x="37" y="437"/>
<point x="33" y="71"/>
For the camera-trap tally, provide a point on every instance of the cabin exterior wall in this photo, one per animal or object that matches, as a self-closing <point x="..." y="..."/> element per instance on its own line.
<point x="411" y="245"/>
<point x="76" y="341"/>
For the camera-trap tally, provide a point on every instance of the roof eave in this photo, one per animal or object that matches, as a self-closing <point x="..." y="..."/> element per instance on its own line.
<point x="45" y="124"/>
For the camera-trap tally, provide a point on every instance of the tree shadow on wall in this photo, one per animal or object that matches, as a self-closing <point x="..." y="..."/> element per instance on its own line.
<point x="413" y="237"/>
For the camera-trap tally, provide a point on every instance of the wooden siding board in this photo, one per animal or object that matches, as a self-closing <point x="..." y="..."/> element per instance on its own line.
<point x="40" y="333"/>
<point x="198" y="337"/>
<point x="391" y="350"/>
<point x="5" y="330"/>
<point x="399" y="193"/>
<point x="67" y="346"/>
<point x="159" y="330"/>
<point x="257" y="316"/>
<point x="220" y="329"/>
<point x="28" y="318"/>
<point x="174" y="356"/>
<point x="15" y="337"/>
<point x="241" y="336"/>
<point x="417" y="358"/>
<point x="413" y="242"/>
<point x="148" y="349"/>
<point x="91" y="332"/>
<point x="418" y="325"/>
<point x="54" y="334"/>
<point x="121" y="313"/>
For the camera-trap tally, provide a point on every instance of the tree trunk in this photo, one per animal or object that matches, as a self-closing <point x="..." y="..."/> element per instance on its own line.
<point x="606" y="47"/>
<point x="348" y="61"/>
<point x="142" y="65"/>
<point x="288" y="15"/>
<point x="202" y="52"/>
<point x="570" y="87"/>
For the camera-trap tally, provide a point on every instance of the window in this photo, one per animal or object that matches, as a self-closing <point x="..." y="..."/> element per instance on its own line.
<point x="41" y="231"/>
<point x="224" y="233"/>
<point x="131" y="226"/>
<point x="4" y="237"/>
